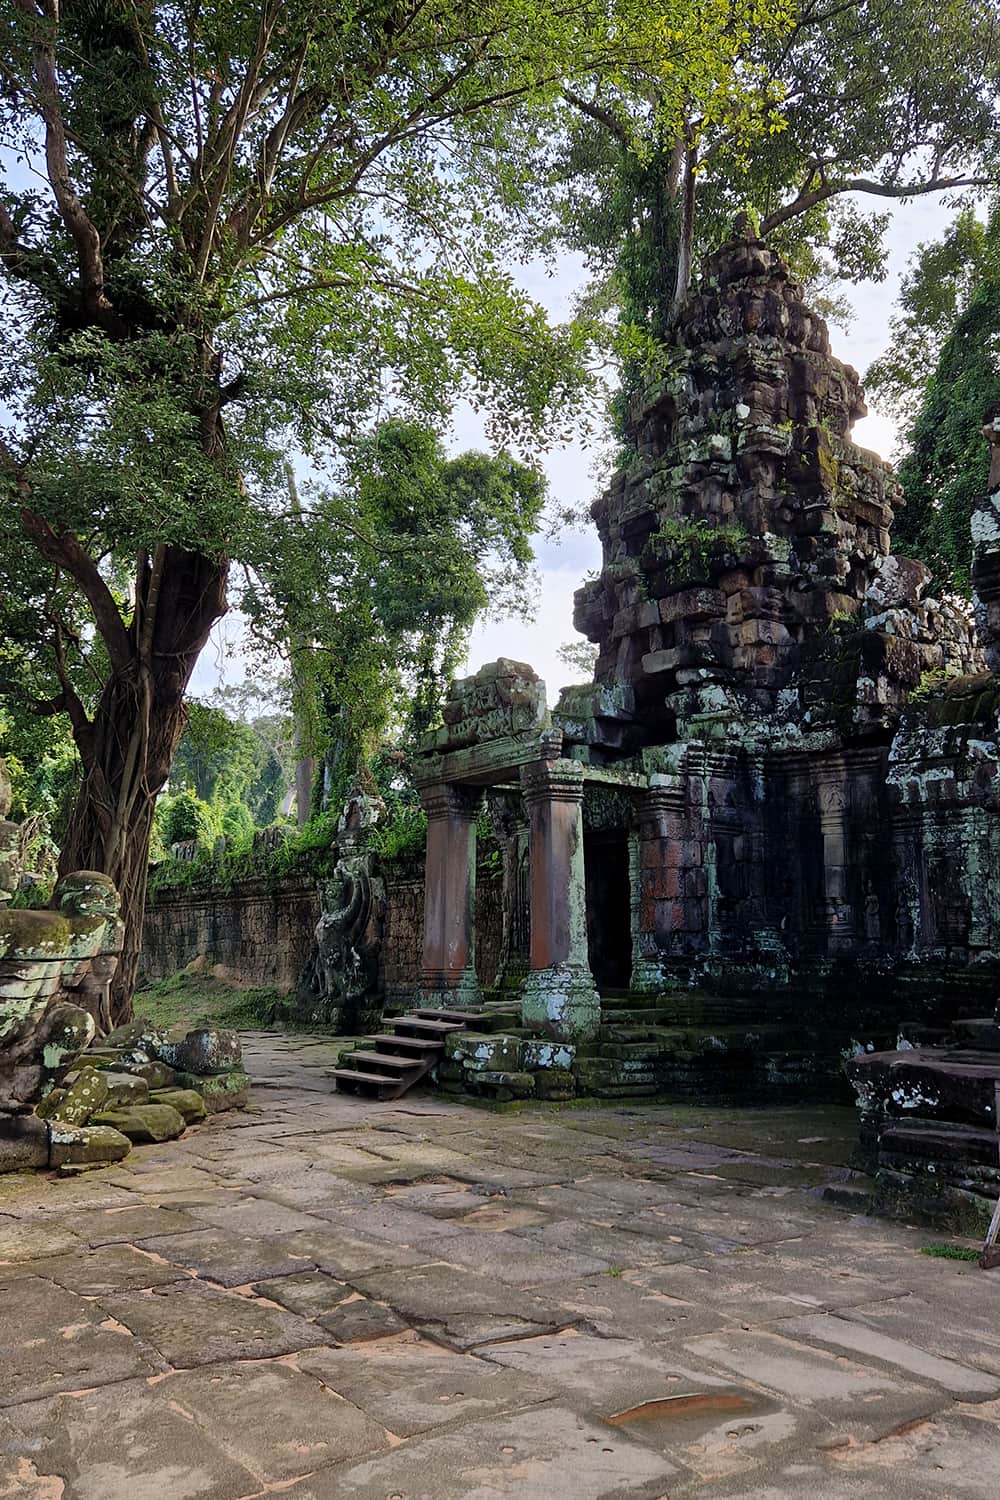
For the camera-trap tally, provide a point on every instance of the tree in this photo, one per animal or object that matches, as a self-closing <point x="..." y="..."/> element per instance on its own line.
<point x="408" y="549"/>
<point x="230" y="230"/>
<point x="875" y="98"/>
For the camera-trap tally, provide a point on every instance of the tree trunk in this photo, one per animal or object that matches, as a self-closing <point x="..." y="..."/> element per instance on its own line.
<point x="685" y="249"/>
<point x="128" y="746"/>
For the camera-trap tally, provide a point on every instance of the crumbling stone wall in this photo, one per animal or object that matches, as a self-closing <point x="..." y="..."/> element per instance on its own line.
<point x="819" y="741"/>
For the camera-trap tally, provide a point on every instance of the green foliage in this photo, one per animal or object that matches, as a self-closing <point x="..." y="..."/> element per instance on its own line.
<point x="692" y="546"/>
<point x="187" y="818"/>
<point x="402" y="836"/>
<point x="950" y="1252"/>
<point x="935" y="291"/>
<point x="404" y="553"/>
<point x="946" y="466"/>
<point x="192" y="999"/>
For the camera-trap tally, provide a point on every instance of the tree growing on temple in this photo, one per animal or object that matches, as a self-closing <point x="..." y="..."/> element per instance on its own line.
<point x="859" y="99"/>
<point x="232" y="230"/>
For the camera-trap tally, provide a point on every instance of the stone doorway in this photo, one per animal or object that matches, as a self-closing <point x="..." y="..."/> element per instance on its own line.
<point x="609" y="917"/>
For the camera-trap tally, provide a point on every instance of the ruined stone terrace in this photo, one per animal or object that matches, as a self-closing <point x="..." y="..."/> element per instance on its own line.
<point x="428" y="1301"/>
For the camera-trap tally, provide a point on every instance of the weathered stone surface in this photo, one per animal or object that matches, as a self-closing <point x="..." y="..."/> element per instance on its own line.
<point x="24" y="1143"/>
<point x="84" y="1145"/>
<point x="193" y="1324"/>
<point x="125" y="1088"/>
<point x="86" y="1095"/>
<point x="188" y="1103"/>
<point x="220" y="1091"/>
<point x="144" y="1122"/>
<point x="52" y="1340"/>
<point x="206" y="1051"/>
<point x="560" y="1454"/>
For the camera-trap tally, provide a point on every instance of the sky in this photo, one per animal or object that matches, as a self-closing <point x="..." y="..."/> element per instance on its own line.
<point x="562" y="564"/>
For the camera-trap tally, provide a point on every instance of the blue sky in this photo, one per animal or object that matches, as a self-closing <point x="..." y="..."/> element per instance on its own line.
<point x="562" y="564"/>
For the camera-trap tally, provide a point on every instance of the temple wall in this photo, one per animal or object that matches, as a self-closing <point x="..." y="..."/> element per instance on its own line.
<point x="261" y="933"/>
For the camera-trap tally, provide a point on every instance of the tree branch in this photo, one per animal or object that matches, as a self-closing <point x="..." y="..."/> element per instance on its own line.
<point x="82" y="231"/>
<point x="65" y="551"/>
<point x="810" y="197"/>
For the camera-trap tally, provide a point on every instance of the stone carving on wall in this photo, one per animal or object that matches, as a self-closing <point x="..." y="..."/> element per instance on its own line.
<point x="504" y="699"/>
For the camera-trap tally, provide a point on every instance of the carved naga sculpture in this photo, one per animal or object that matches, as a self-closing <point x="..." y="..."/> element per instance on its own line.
<point x="349" y="932"/>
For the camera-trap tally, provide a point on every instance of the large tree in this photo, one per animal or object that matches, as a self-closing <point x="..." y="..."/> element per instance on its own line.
<point x="878" y="99"/>
<point x="233" y="228"/>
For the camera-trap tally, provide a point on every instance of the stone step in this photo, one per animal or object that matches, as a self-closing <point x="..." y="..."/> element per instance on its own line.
<point x="385" y="1041"/>
<point x="460" y="1017"/>
<point x="354" y="1081"/>
<point x="419" y="1026"/>
<point x="939" y="1140"/>
<point x="982" y="1032"/>
<point x="376" y="1060"/>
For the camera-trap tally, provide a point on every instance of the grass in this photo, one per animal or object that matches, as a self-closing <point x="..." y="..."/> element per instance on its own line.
<point x="950" y="1252"/>
<point x="192" y="1000"/>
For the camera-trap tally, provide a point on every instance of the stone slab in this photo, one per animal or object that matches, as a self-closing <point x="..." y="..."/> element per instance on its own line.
<point x="552" y="1453"/>
<point x="277" y="1421"/>
<point x="121" y="1443"/>
<point x="190" y="1323"/>
<point x="52" y="1340"/>
<point x="869" y="1344"/>
<point x="857" y="1401"/>
<point x="229" y="1259"/>
<point x="412" y="1385"/>
<point x="460" y="1306"/>
<point x="308" y="1293"/>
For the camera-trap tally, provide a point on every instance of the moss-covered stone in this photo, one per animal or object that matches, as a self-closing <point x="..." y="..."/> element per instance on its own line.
<point x="75" y="1145"/>
<point x="144" y="1122"/>
<point x="220" y="1091"/>
<point x="187" y="1102"/>
<point x="86" y="1095"/>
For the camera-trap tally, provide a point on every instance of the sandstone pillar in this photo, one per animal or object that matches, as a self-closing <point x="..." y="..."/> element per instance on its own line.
<point x="449" y="964"/>
<point x="559" y="994"/>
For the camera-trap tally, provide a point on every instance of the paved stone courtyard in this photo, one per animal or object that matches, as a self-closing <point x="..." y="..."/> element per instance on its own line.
<point x="421" y="1300"/>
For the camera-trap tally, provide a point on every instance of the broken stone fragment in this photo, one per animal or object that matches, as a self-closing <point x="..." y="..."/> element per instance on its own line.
<point x="187" y="1102"/>
<point x="219" y="1090"/>
<point x="144" y="1122"/>
<point x="76" y="1145"/>
<point x="204" y="1051"/>
<point x="86" y="1095"/>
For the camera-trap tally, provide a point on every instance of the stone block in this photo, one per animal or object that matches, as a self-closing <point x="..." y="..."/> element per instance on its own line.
<point x="47" y="1106"/>
<point x="518" y="1085"/>
<point x="79" y="1145"/>
<point x="85" y="1096"/>
<point x="220" y="1091"/>
<point x="124" y="1088"/>
<point x="477" y="1051"/>
<point x="187" y="1102"/>
<point x="144" y="1122"/>
<point x="693" y="604"/>
<point x="205" y="1051"/>
<point x="538" y="1054"/>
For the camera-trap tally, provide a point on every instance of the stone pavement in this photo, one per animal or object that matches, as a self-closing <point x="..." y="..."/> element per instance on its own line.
<point x="426" y="1301"/>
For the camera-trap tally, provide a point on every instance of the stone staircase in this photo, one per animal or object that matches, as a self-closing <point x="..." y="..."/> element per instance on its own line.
<point x="388" y="1065"/>
<point x="929" y="1124"/>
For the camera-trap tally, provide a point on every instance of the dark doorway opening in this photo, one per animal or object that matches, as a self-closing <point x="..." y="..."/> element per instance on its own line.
<point x="609" y="914"/>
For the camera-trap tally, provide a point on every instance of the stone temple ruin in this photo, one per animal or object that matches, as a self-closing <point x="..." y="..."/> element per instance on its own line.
<point x="766" y="836"/>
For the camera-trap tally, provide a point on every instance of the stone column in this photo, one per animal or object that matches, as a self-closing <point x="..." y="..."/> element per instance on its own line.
<point x="449" y="967"/>
<point x="559" y="994"/>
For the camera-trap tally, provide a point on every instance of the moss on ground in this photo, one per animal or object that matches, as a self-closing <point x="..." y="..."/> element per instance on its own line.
<point x="200" y="1000"/>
